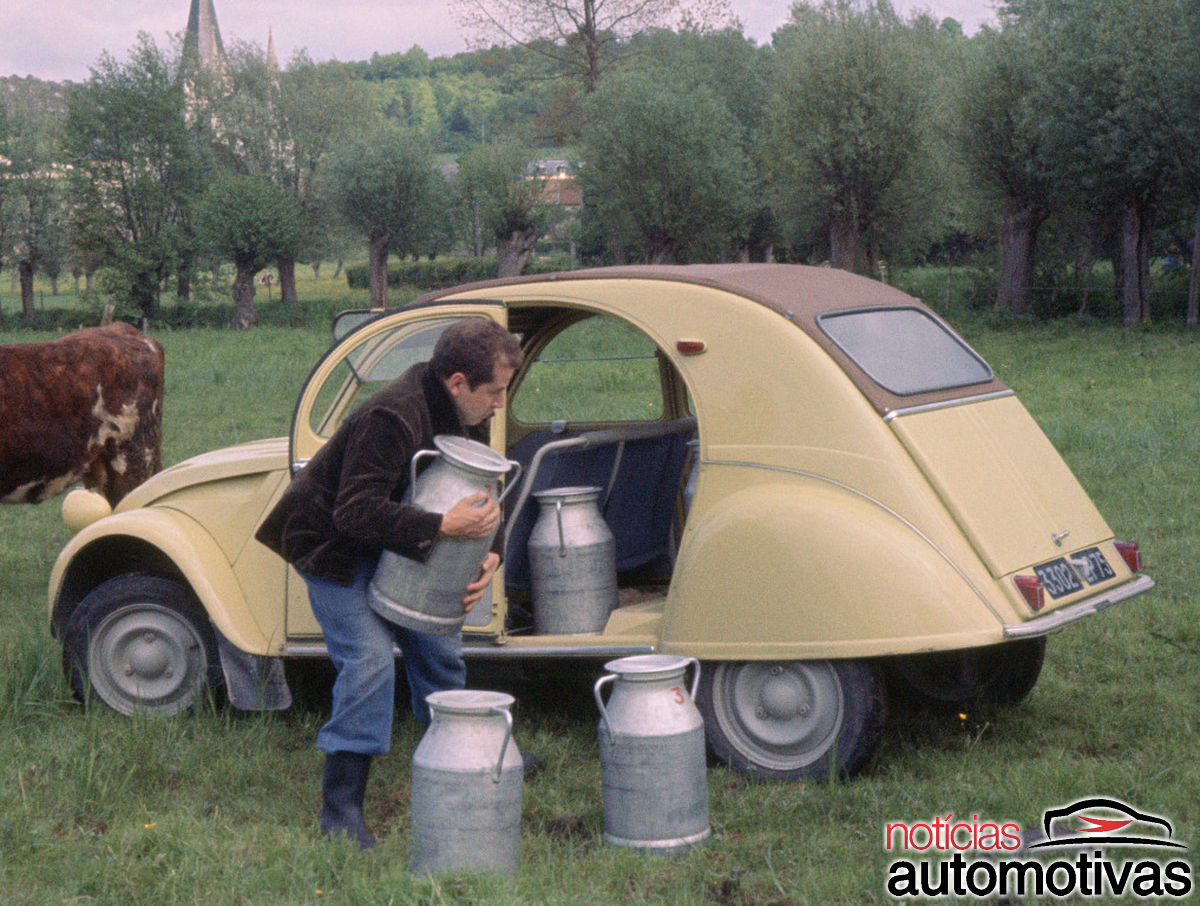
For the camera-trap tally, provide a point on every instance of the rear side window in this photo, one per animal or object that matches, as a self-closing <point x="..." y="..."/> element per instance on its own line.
<point x="905" y="350"/>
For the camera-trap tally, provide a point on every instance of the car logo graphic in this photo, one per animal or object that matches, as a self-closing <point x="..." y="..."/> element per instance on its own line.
<point x="1105" y="830"/>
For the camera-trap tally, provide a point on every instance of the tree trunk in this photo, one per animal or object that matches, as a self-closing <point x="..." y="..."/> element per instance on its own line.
<point x="25" y="273"/>
<point x="316" y="266"/>
<point x="1135" y="230"/>
<point x="245" y="315"/>
<point x="287" y="279"/>
<point x="513" y="251"/>
<point x="1018" y="246"/>
<point x="845" y="243"/>
<point x="378" y="265"/>
<point x="145" y="293"/>
<point x="183" y="278"/>
<point x="1193" y="304"/>
<point x="338" y="270"/>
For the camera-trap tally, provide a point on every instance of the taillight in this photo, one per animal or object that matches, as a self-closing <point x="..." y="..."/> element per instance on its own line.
<point x="1131" y="554"/>
<point x="1032" y="590"/>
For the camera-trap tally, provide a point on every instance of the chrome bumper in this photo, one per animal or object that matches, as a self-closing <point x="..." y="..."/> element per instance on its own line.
<point x="1056" y="619"/>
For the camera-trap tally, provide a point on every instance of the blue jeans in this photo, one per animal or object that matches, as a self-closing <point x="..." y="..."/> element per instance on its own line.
<point x="360" y="646"/>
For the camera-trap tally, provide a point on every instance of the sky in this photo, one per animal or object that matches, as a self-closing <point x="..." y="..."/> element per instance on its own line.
<point x="58" y="40"/>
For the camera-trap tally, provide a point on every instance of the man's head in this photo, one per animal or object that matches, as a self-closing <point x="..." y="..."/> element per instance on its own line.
<point x="475" y="359"/>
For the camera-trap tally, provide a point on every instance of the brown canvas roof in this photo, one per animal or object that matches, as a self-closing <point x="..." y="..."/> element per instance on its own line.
<point x="800" y="293"/>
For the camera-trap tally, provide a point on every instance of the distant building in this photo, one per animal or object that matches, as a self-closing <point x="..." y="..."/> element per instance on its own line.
<point x="202" y="47"/>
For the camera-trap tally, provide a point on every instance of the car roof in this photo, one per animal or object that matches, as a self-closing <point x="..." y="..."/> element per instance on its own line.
<point x="800" y="293"/>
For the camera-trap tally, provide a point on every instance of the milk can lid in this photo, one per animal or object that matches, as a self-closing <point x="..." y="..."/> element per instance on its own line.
<point x="647" y="666"/>
<point x="471" y="454"/>
<point x="568" y="495"/>
<point x="469" y="701"/>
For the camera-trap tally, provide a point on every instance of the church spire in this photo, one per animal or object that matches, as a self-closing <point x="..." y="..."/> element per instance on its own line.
<point x="202" y="40"/>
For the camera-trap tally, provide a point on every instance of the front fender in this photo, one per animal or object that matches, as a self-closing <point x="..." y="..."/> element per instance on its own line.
<point x="802" y="568"/>
<point x="164" y="542"/>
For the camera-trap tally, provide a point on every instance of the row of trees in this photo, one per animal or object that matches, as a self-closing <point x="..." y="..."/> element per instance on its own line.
<point x="1068" y="133"/>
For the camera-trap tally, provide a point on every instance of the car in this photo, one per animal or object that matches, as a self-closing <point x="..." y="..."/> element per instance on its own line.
<point x="816" y="489"/>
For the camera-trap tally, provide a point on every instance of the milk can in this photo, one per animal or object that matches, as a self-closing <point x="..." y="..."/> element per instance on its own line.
<point x="573" y="563"/>
<point x="428" y="596"/>
<point x="467" y="779"/>
<point x="652" y="760"/>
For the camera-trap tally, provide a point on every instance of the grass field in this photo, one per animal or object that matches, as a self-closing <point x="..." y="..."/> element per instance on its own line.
<point x="220" y="807"/>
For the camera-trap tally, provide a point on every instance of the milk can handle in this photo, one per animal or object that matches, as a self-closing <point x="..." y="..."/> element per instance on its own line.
<point x="562" y="541"/>
<point x="412" y="483"/>
<point x="695" y="676"/>
<point x="607" y="678"/>
<point x="508" y="728"/>
<point x="510" y="483"/>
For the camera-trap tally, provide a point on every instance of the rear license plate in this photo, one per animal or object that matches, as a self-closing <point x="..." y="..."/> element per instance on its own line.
<point x="1091" y="565"/>
<point x="1058" y="578"/>
<point x="1061" y="578"/>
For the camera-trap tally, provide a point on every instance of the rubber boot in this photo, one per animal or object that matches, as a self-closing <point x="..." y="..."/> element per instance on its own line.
<point x="342" y="789"/>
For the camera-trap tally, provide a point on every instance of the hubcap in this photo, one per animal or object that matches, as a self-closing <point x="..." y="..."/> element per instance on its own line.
<point x="782" y="716"/>
<point x="145" y="657"/>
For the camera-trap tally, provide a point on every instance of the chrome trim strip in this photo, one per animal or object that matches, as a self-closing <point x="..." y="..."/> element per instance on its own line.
<point x="948" y="404"/>
<point x="1048" y="623"/>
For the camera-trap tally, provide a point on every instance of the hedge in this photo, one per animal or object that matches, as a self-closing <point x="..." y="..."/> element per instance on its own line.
<point x="439" y="273"/>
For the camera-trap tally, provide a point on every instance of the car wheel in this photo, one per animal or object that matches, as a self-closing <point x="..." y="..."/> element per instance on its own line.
<point x="141" y="644"/>
<point x="998" y="674"/>
<point x="792" y="720"/>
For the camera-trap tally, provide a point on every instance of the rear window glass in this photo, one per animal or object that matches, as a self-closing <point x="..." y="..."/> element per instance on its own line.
<point x="905" y="350"/>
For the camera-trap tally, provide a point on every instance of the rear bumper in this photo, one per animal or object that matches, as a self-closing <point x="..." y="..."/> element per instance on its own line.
<point x="1057" y="619"/>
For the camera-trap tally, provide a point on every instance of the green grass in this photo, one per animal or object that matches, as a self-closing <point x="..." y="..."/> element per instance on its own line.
<point x="220" y="806"/>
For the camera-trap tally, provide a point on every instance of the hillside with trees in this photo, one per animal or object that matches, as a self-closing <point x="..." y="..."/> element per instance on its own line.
<point x="1055" y="154"/>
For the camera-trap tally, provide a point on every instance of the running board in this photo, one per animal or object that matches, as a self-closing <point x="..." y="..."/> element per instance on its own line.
<point x="495" y="652"/>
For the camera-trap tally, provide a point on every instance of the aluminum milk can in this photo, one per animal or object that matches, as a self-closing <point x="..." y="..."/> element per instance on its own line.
<point x="652" y="760"/>
<point x="428" y="596"/>
<point x="573" y="563"/>
<point x="467" y="779"/>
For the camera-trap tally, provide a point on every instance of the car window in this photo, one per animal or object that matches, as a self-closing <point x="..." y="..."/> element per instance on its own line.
<point x="369" y="366"/>
<point x="599" y="369"/>
<point x="905" y="350"/>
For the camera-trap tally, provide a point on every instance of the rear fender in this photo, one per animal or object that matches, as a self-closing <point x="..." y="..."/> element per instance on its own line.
<point x="802" y="568"/>
<point x="159" y="542"/>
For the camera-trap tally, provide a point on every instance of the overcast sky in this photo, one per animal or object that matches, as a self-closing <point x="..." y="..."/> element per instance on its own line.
<point x="59" y="39"/>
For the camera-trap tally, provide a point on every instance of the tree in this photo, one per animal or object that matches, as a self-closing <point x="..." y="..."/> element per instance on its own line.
<point x="127" y="140"/>
<point x="848" y="121"/>
<point x="663" y="169"/>
<point x="33" y="207"/>
<point x="1111" y="84"/>
<point x="252" y="222"/>
<point x="502" y="200"/>
<point x="999" y="136"/>
<point x="581" y="35"/>
<point x="381" y="181"/>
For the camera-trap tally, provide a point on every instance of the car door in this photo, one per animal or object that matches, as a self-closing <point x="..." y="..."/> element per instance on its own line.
<point x="365" y="360"/>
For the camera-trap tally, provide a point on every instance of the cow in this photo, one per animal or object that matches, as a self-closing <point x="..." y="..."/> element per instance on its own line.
<point x="84" y="408"/>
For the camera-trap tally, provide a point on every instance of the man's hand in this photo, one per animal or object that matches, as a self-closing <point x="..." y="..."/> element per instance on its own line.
<point x="472" y="517"/>
<point x="476" y="589"/>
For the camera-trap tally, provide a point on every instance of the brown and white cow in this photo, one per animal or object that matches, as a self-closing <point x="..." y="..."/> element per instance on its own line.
<point x="83" y="408"/>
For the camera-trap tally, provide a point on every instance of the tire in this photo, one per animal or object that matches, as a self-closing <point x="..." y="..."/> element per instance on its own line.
<point x="1002" y="674"/>
<point x="141" y="645"/>
<point x="793" y="720"/>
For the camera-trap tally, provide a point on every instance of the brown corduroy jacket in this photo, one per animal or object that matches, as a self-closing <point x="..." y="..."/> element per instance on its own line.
<point x="345" y="504"/>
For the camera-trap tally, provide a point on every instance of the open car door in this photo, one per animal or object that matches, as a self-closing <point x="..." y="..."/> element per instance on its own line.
<point x="362" y="361"/>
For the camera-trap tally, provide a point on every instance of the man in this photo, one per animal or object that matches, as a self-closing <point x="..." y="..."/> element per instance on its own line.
<point x="344" y="508"/>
